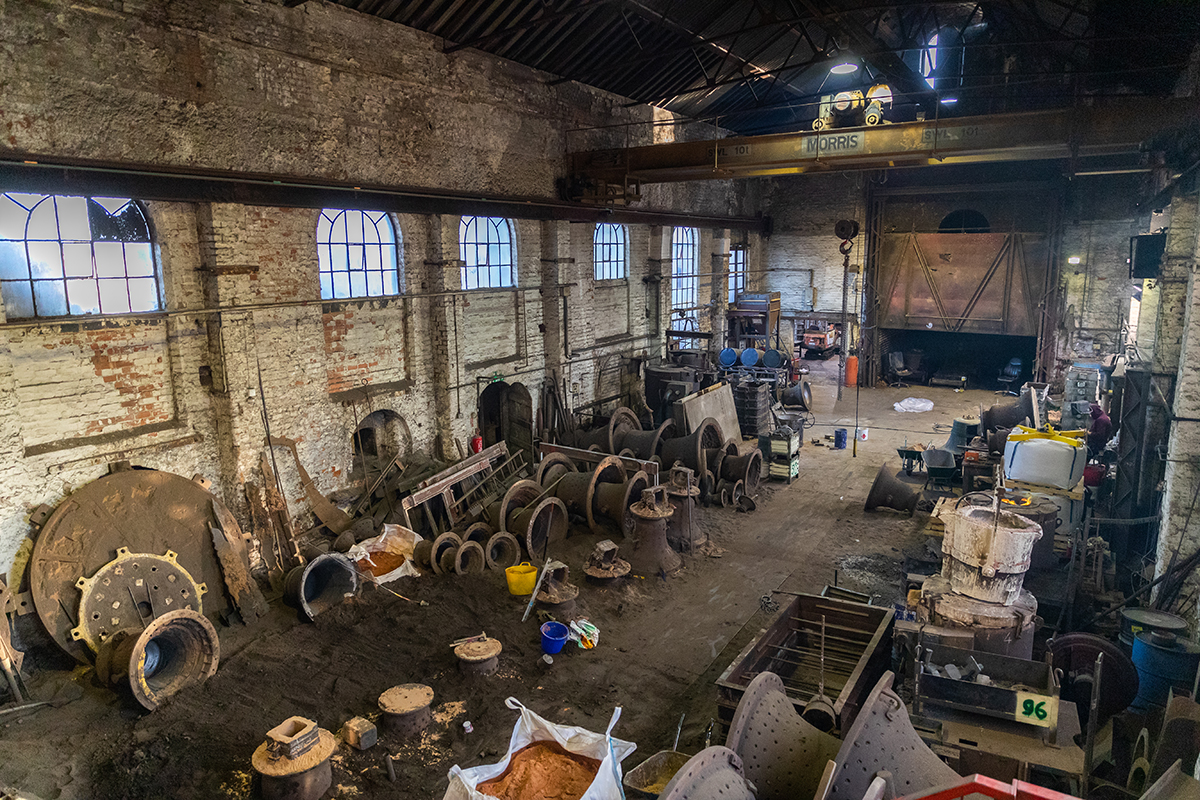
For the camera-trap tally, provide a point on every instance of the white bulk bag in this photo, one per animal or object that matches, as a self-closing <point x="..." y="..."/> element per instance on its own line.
<point x="1044" y="459"/>
<point x="532" y="728"/>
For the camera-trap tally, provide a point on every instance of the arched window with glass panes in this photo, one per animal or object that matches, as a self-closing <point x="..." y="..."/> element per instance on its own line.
<point x="66" y="256"/>
<point x="485" y="245"/>
<point x="357" y="254"/>
<point x="609" y="257"/>
<point x="684" y="270"/>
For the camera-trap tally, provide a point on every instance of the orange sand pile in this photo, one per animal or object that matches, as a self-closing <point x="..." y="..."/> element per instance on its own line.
<point x="543" y="770"/>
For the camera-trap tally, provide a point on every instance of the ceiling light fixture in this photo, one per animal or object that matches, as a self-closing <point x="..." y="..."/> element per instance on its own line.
<point x="949" y="101"/>
<point x="844" y="68"/>
<point x="1074" y="260"/>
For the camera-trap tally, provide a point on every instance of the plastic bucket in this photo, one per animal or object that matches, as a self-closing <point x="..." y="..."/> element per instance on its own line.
<point x="554" y="636"/>
<point x="839" y="439"/>
<point x="521" y="578"/>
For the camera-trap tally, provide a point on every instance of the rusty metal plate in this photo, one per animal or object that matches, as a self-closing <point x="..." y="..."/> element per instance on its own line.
<point x="130" y="591"/>
<point x="146" y="511"/>
<point x="962" y="282"/>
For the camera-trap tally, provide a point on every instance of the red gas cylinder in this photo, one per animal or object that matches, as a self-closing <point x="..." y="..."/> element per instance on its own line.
<point x="851" y="370"/>
<point x="476" y="443"/>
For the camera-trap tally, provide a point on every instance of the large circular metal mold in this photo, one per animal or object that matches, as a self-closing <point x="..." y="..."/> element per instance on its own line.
<point x="552" y="467"/>
<point x="441" y="556"/>
<point x="131" y="590"/>
<point x="478" y="532"/>
<point x="470" y="559"/>
<point x="146" y="511"/>
<point x="521" y="494"/>
<point x="782" y="754"/>
<point x="321" y="584"/>
<point x="882" y="738"/>
<point x="605" y="439"/>
<point x="174" y="651"/>
<point x="613" y="500"/>
<point x="715" y="773"/>
<point x="579" y="491"/>
<point x="689" y="450"/>
<point x="540" y="524"/>
<point x="644" y="444"/>
<point x="502" y="551"/>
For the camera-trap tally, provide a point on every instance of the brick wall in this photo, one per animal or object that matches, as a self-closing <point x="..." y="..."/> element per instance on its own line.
<point x="320" y="92"/>
<point x="802" y="253"/>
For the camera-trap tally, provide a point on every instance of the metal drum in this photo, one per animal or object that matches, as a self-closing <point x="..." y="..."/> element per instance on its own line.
<point x="1136" y="620"/>
<point x="751" y="357"/>
<point x="728" y="357"/>
<point x="774" y="358"/>
<point x="1163" y="662"/>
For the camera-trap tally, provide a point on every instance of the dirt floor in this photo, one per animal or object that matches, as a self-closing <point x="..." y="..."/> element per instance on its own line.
<point x="662" y="644"/>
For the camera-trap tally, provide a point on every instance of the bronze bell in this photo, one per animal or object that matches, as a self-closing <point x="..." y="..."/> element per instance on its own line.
<point x="650" y="553"/>
<point x="888" y="492"/>
<point x="689" y="450"/>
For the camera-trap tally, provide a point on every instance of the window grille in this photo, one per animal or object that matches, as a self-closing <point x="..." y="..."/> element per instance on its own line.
<point x="608" y="252"/>
<point x="683" y="269"/>
<point x="66" y="256"/>
<point x="485" y="244"/>
<point x="356" y="254"/>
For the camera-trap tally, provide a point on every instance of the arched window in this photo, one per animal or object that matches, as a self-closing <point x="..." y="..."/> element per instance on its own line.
<point x="608" y="252"/>
<point x="63" y="256"/>
<point x="965" y="220"/>
<point x="929" y="60"/>
<point x="356" y="253"/>
<point x="485" y="244"/>
<point x="684" y="269"/>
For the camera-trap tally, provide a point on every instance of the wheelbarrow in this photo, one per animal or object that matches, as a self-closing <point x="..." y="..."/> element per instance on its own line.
<point x="940" y="468"/>
<point x="911" y="456"/>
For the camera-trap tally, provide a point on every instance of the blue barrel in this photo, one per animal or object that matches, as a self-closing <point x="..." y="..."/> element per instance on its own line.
<point x="728" y="357"/>
<point x="1163" y="661"/>
<point x="839" y="439"/>
<point x="774" y="358"/>
<point x="751" y="356"/>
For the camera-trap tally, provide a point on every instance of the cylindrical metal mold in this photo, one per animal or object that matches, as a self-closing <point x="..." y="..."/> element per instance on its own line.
<point x="172" y="652"/>
<point x="321" y="584"/>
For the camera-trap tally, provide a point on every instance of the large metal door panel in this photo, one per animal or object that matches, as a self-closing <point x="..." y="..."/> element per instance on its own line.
<point x="962" y="282"/>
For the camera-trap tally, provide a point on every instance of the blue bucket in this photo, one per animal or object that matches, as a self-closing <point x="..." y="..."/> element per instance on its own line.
<point x="839" y="439"/>
<point x="554" y="636"/>
<point x="728" y="357"/>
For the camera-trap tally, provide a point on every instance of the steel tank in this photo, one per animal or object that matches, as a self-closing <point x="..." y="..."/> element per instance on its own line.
<point x="1136" y="620"/>
<point x="1163" y="662"/>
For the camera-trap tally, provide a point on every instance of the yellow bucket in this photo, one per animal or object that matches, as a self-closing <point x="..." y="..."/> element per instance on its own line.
<point x="521" y="578"/>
